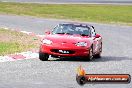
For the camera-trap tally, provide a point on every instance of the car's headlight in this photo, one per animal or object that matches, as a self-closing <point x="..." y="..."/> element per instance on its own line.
<point x="81" y="44"/>
<point x="46" y="41"/>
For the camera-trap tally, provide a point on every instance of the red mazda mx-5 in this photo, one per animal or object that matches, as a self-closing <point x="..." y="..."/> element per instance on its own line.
<point x="71" y="40"/>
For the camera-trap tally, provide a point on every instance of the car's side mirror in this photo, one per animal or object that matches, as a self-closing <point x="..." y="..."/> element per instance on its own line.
<point x="97" y="36"/>
<point x="47" y="32"/>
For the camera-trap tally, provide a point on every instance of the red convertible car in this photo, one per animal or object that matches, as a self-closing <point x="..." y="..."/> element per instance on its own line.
<point x="71" y="40"/>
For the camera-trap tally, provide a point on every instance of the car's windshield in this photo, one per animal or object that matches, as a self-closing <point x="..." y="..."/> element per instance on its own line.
<point x="71" y="29"/>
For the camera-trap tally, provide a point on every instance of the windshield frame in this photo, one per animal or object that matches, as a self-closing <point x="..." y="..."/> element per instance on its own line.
<point x="64" y="29"/>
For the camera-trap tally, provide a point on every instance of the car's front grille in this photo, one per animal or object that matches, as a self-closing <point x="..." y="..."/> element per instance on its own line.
<point x="62" y="51"/>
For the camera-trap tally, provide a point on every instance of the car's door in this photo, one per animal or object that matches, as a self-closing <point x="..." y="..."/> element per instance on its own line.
<point x="96" y="41"/>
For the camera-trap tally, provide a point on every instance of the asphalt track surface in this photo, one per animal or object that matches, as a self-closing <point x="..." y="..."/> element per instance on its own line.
<point x="33" y="73"/>
<point x="72" y="1"/>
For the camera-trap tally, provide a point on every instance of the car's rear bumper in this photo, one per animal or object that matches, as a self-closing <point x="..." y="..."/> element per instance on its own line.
<point x="73" y="51"/>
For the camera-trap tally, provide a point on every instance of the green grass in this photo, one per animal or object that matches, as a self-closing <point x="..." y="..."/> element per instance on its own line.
<point x="12" y="47"/>
<point x="13" y="41"/>
<point x="92" y="13"/>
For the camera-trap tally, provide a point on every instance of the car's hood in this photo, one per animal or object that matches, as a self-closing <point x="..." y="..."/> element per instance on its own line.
<point x="59" y="38"/>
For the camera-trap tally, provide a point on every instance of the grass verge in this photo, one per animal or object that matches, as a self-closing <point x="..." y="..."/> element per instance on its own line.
<point x="13" y="41"/>
<point x="92" y="13"/>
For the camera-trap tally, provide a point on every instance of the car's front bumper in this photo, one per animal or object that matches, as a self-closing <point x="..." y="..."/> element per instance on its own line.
<point x="73" y="50"/>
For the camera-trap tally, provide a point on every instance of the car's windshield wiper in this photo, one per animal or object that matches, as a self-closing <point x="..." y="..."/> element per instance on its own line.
<point x="83" y="35"/>
<point x="69" y="33"/>
<point x="64" y="33"/>
<point x="60" y="33"/>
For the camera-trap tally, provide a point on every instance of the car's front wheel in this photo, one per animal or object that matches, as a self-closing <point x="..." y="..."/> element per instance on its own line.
<point x="90" y="55"/>
<point x="43" y="56"/>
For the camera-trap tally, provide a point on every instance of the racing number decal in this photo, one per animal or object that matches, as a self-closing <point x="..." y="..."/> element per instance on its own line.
<point x="96" y="40"/>
<point x="97" y="44"/>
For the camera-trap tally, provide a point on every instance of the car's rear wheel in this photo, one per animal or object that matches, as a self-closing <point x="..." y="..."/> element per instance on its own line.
<point x="90" y="55"/>
<point x="43" y="56"/>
